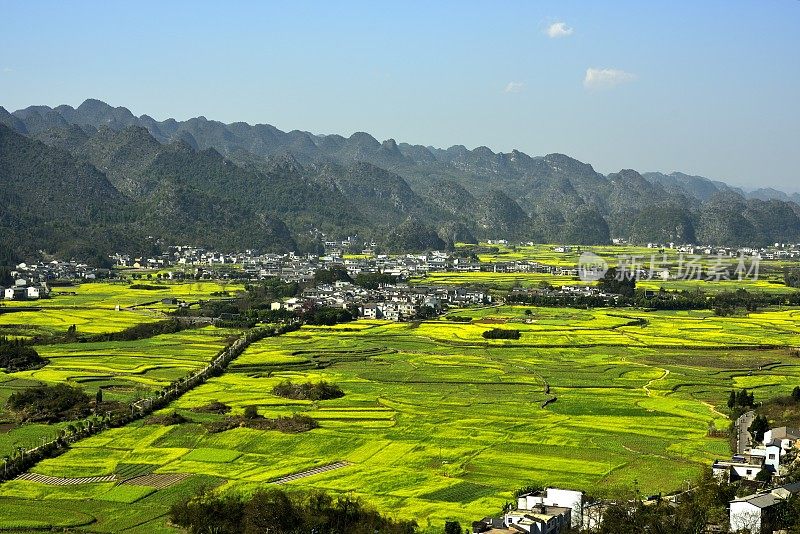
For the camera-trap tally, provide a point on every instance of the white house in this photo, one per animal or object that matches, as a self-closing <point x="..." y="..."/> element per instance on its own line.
<point x="741" y="466"/>
<point x="771" y="455"/>
<point x="553" y="497"/>
<point x="540" y="519"/>
<point x="293" y="304"/>
<point x="8" y="294"/>
<point x="786" y="436"/>
<point x="32" y="292"/>
<point x="370" y="311"/>
<point x="748" y="513"/>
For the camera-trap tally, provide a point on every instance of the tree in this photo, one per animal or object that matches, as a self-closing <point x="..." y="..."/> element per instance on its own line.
<point x="758" y="427"/>
<point x="426" y="312"/>
<point x="618" y="284"/>
<point x="764" y="476"/>
<point x="452" y="527"/>
<point x="98" y="398"/>
<point x="745" y="399"/>
<point x="796" y="394"/>
<point x="732" y="400"/>
<point x="251" y="412"/>
<point x="329" y="276"/>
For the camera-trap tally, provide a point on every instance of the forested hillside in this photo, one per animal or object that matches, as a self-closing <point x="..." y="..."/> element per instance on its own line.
<point x="92" y="179"/>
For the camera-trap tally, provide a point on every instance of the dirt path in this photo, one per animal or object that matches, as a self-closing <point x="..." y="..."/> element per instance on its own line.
<point x="646" y="387"/>
<point x="714" y="410"/>
<point x="742" y="434"/>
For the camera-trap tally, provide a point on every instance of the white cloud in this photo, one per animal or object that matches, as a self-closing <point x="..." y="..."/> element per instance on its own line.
<point x="514" y="87"/>
<point x="558" y="29"/>
<point x="606" y="78"/>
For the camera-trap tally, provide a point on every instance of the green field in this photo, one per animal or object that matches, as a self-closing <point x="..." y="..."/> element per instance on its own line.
<point x="123" y="369"/>
<point x="770" y="277"/>
<point x="438" y="423"/>
<point x="92" y="308"/>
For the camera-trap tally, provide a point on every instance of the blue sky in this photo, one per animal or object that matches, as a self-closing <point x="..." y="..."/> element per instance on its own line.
<point x="710" y="88"/>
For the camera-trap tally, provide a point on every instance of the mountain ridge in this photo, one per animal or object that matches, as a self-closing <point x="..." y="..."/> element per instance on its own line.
<point x="301" y="187"/>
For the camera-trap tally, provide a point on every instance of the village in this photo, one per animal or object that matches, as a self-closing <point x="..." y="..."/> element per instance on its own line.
<point x="295" y="267"/>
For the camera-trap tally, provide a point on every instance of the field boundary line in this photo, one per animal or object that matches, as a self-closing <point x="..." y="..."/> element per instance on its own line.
<point x="311" y="472"/>
<point x="62" y="481"/>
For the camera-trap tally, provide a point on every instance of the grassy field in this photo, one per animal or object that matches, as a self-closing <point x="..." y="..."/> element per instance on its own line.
<point x="92" y="308"/>
<point x="770" y="272"/>
<point x="438" y="423"/>
<point x="123" y="369"/>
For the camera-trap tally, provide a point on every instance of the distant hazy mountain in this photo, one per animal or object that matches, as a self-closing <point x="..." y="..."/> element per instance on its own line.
<point x="239" y="185"/>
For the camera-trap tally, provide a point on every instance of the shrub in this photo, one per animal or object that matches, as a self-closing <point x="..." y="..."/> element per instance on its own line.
<point x="308" y="391"/>
<point x="173" y="418"/>
<point x="501" y="333"/>
<point x="50" y="403"/>
<point x="16" y="355"/>
<point x="213" y="407"/>
<point x="290" y="425"/>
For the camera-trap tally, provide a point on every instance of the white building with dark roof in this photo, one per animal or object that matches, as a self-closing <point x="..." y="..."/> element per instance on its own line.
<point x="752" y="512"/>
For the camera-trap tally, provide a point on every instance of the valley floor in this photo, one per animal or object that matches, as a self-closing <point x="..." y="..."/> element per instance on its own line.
<point x="436" y="423"/>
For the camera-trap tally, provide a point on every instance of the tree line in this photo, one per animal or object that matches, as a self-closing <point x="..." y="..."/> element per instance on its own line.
<point x="278" y="512"/>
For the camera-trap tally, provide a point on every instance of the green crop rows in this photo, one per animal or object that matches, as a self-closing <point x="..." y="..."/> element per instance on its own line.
<point x="436" y="423"/>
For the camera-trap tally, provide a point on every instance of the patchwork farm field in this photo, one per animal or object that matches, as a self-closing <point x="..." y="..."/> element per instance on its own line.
<point x="124" y="370"/>
<point x="438" y="423"/>
<point x="770" y="275"/>
<point x="92" y="307"/>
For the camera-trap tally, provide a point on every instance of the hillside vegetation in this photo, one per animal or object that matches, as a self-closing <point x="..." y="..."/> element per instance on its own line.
<point x="112" y="179"/>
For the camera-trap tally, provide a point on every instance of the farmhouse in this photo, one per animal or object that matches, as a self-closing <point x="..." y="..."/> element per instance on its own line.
<point x="739" y="467"/>
<point x="786" y="436"/>
<point x="538" y="512"/>
<point x="778" y="450"/>
<point x="756" y="512"/>
<point x="21" y="292"/>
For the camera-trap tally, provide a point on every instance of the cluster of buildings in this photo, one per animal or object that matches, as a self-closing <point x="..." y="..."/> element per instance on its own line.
<point x="777" y="251"/>
<point x="544" y="512"/>
<point x="393" y="302"/>
<point x="759" y="511"/>
<point x="41" y="272"/>
<point x="22" y="290"/>
<point x="565" y="291"/>
<point x="554" y="510"/>
<point x="32" y="281"/>
<point x="774" y="455"/>
<point x="292" y="267"/>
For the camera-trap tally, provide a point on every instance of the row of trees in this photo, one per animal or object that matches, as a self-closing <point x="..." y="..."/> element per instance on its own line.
<point x="742" y="399"/>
